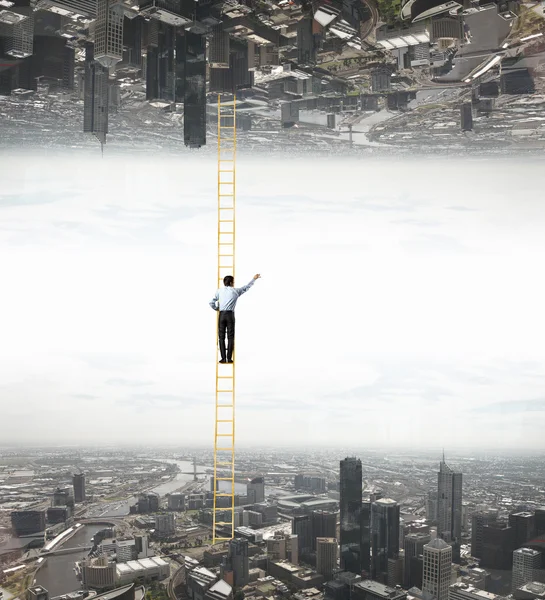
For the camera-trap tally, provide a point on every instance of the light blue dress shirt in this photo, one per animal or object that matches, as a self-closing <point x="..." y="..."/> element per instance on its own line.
<point x="226" y="297"/>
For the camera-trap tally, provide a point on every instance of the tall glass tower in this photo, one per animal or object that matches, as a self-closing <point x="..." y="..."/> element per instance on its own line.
<point x="449" y="506"/>
<point x="351" y="506"/>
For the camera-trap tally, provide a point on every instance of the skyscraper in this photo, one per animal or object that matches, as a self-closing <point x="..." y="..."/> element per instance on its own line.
<point x="437" y="570"/>
<point x="256" y="490"/>
<point x="194" y="88"/>
<point x="322" y="524"/>
<point x="384" y="537"/>
<point x="351" y="506"/>
<point x="109" y="32"/>
<point x="413" y="545"/>
<point x="540" y="520"/>
<point x="79" y="487"/>
<point x="235" y="569"/>
<point x="326" y="557"/>
<point x="301" y="527"/>
<point x="526" y="565"/>
<point x="524" y="527"/>
<point x="478" y="522"/>
<point x="449" y="506"/>
<point x="366" y="537"/>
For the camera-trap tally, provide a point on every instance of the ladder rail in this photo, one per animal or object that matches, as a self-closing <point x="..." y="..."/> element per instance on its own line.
<point x="224" y="422"/>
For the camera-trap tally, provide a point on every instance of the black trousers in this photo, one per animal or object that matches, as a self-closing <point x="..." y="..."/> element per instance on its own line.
<point x="226" y="323"/>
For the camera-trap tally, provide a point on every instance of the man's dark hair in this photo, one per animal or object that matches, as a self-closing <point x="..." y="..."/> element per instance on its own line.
<point x="228" y="280"/>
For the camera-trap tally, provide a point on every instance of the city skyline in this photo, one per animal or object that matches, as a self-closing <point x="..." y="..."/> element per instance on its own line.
<point x="100" y="289"/>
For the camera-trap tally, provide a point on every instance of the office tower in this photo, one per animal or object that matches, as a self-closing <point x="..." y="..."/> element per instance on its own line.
<point x="322" y="524"/>
<point x="384" y="537"/>
<point x="165" y="524"/>
<point x="301" y="527"/>
<point x="326" y="557"/>
<point x="218" y="50"/>
<point x="95" y="121"/>
<point x="176" y="502"/>
<point x="133" y="38"/>
<point x="37" y="592"/>
<point x="451" y="28"/>
<point x="381" y="79"/>
<point x="437" y="570"/>
<point x="235" y="569"/>
<point x="524" y="527"/>
<point x="431" y="506"/>
<point x="498" y="546"/>
<point x="478" y="521"/>
<point x="20" y="36"/>
<point x="283" y="547"/>
<point x="307" y="41"/>
<point x="517" y="81"/>
<point x="526" y="566"/>
<point x="98" y="572"/>
<point x="256" y="490"/>
<point x="466" y="117"/>
<point x="194" y="89"/>
<point x="161" y="65"/>
<point x="141" y="544"/>
<point x="109" y="33"/>
<point x="350" y="508"/>
<point x="413" y="546"/>
<point x="53" y="62"/>
<point x="79" y="487"/>
<point x="365" y="547"/>
<point x="27" y="522"/>
<point x="540" y="520"/>
<point x="449" y="506"/>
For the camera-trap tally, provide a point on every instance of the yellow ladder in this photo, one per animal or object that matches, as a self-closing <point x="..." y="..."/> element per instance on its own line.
<point x="224" y="435"/>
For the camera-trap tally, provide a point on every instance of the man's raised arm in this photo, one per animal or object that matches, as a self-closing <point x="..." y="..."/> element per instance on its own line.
<point x="245" y="288"/>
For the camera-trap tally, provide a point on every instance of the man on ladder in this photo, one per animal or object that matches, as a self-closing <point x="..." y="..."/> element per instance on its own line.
<point x="225" y="301"/>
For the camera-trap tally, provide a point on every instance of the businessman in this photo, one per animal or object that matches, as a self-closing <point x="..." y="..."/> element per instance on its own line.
<point x="225" y="301"/>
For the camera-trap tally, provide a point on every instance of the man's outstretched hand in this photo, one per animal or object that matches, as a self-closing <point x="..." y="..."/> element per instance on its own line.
<point x="257" y="276"/>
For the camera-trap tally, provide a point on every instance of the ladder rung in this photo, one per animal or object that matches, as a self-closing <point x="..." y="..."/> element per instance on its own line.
<point x="224" y="391"/>
<point x="224" y="405"/>
<point x="224" y="434"/>
<point x="222" y="539"/>
<point x="225" y="450"/>
<point x="223" y="522"/>
<point x="223" y="478"/>
<point x="224" y="420"/>
<point x="224" y="496"/>
<point x="225" y="464"/>
<point x="225" y="376"/>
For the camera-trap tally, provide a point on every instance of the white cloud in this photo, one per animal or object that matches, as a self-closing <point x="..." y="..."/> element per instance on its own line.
<point x="396" y="299"/>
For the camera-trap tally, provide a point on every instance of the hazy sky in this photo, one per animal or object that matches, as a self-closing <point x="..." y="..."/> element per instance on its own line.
<point x="401" y="303"/>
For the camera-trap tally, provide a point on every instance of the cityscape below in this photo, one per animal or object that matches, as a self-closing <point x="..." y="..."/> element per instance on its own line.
<point x="110" y="523"/>
<point x="366" y="76"/>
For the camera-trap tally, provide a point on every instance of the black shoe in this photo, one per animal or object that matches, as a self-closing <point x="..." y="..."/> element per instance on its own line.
<point x="223" y="361"/>
<point x="229" y="362"/>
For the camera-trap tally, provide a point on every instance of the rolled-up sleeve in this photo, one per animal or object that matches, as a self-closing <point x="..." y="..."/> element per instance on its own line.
<point x="214" y="302"/>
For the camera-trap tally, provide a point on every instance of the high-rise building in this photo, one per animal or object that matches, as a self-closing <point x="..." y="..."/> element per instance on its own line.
<point x="235" y="569"/>
<point x="53" y="62"/>
<point x="95" y="121"/>
<point x="27" y="522"/>
<point x="466" y="119"/>
<point x="350" y="508"/>
<point x="526" y="566"/>
<point x="437" y="572"/>
<point x="431" y="505"/>
<point x="326" y="557"/>
<point x="307" y="41"/>
<point x="524" y="527"/>
<point x="283" y="547"/>
<point x="464" y="591"/>
<point x="384" y="537"/>
<point x="323" y="524"/>
<point x="109" y="32"/>
<point x="20" y="36"/>
<point x="256" y="490"/>
<point x="449" y="506"/>
<point x="218" y="50"/>
<point x="37" y="592"/>
<point x="540" y="520"/>
<point x="70" y="8"/>
<point x="165" y="524"/>
<point x="413" y="546"/>
<point x="301" y="527"/>
<point x="498" y="546"/>
<point x="194" y="88"/>
<point x="365" y="545"/>
<point x="176" y="502"/>
<point x="98" y="572"/>
<point x="478" y="522"/>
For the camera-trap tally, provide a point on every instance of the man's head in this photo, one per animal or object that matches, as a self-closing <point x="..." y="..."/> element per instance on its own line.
<point x="228" y="281"/>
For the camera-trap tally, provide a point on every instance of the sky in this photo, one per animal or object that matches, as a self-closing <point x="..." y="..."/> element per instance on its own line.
<point x="401" y="302"/>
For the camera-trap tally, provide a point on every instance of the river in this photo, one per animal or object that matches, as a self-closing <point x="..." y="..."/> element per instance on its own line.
<point x="58" y="576"/>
